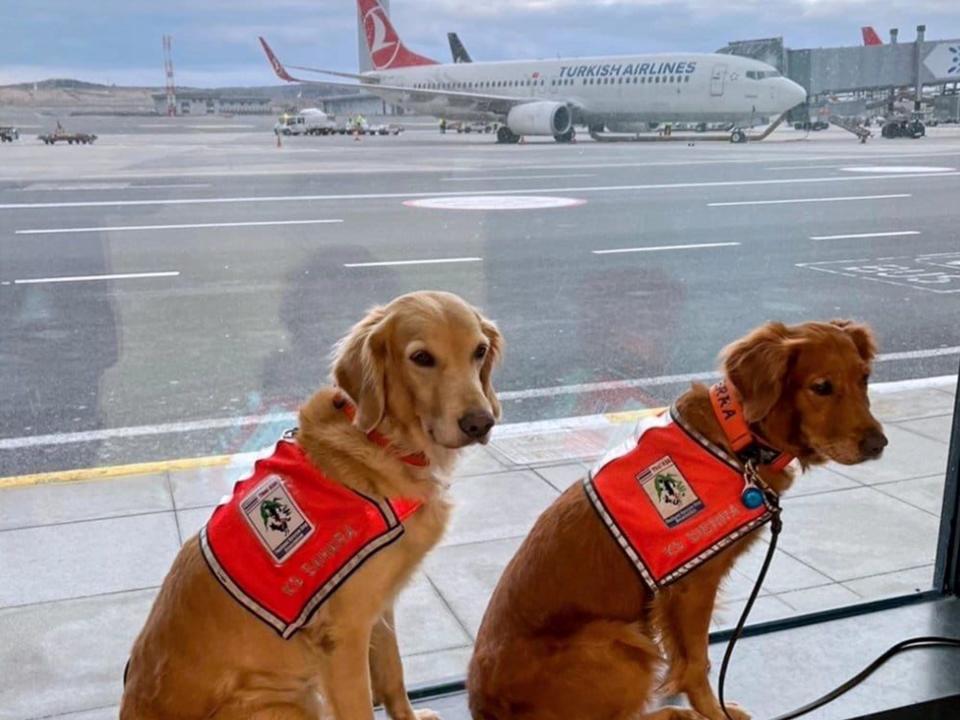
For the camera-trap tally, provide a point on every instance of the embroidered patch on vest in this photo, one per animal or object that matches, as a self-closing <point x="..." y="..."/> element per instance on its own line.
<point x="276" y="519"/>
<point x="668" y="490"/>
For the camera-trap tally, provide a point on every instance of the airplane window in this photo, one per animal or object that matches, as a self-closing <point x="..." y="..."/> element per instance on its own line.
<point x="686" y="78"/>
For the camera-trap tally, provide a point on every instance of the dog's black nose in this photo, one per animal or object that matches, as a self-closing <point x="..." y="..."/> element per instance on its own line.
<point x="476" y="424"/>
<point x="873" y="443"/>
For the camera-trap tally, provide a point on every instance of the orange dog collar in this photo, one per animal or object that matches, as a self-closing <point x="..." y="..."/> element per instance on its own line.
<point x="748" y="447"/>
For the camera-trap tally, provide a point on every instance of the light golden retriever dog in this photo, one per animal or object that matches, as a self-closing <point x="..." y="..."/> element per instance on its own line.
<point x="419" y="372"/>
<point x="572" y="633"/>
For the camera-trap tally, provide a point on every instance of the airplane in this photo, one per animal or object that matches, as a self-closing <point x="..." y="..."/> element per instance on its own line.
<point x="870" y="36"/>
<point x="547" y="97"/>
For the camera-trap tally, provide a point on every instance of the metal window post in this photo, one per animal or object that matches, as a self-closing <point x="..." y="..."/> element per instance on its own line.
<point x="917" y="64"/>
<point x="947" y="569"/>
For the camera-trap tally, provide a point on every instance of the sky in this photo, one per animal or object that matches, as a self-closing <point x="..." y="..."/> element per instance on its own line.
<point x="215" y="41"/>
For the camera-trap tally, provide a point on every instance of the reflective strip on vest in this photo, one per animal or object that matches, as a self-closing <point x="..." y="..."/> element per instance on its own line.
<point x="289" y="536"/>
<point x="670" y="499"/>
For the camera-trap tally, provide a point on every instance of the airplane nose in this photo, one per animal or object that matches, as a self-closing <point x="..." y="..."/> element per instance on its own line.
<point x="792" y="93"/>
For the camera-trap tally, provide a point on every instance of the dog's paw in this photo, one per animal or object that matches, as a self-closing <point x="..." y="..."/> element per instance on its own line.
<point x="736" y="712"/>
<point x="426" y="715"/>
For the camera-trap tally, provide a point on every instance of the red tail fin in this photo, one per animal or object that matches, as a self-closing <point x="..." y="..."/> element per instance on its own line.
<point x="870" y="36"/>
<point x="386" y="49"/>
<point x="278" y="67"/>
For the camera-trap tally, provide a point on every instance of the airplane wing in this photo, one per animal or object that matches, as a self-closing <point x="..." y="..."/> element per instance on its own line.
<point x="465" y="101"/>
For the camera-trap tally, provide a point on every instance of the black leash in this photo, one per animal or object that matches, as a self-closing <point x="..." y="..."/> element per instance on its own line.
<point x="776" y="525"/>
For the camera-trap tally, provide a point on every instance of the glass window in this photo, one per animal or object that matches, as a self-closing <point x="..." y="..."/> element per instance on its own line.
<point x="170" y="296"/>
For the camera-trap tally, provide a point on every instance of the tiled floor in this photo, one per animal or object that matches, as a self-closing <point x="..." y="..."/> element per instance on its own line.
<point x="80" y="563"/>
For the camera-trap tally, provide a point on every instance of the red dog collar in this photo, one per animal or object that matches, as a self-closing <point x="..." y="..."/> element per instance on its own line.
<point x="744" y="443"/>
<point x="340" y="402"/>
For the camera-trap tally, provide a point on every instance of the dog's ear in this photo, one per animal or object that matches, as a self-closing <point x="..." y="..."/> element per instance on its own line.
<point x="359" y="367"/>
<point x="757" y="366"/>
<point x="862" y="337"/>
<point x="492" y="359"/>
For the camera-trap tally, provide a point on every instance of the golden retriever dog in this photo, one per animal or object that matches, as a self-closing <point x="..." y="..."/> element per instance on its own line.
<point x="573" y="632"/>
<point x="419" y="373"/>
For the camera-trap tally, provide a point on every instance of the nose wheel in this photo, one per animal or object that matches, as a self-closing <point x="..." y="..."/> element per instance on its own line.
<point x="738" y="136"/>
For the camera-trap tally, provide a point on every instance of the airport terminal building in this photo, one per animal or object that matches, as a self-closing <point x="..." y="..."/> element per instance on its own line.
<point x="212" y="102"/>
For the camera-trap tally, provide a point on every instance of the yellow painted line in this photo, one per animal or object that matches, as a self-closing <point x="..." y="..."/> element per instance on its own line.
<point x="114" y="471"/>
<point x="630" y="415"/>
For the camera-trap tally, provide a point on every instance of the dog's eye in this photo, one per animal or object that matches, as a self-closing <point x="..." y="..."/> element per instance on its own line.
<point x="822" y="388"/>
<point x="423" y="359"/>
<point x="480" y="353"/>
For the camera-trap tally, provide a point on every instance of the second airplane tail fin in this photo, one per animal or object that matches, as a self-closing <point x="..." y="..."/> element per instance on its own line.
<point x="386" y="49"/>
<point x="870" y="36"/>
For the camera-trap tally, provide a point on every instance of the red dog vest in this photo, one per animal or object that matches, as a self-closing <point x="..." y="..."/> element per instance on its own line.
<point x="671" y="499"/>
<point x="289" y="536"/>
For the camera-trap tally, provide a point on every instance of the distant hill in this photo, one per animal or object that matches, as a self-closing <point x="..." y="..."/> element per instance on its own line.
<point x="67" y="94"/>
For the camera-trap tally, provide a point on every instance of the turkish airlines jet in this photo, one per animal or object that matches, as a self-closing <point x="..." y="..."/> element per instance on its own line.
<point x="546" y="97"/>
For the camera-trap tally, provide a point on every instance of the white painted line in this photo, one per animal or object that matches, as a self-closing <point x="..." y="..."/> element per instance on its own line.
<point x="805" y="167"/>
<point x="653" y="248"/>
<point x="690" y="377"/>
<point x="905" y="169"/>
<point x="513" y="429"/>
<point x="161" y="187"/>
<point x="515" y="191"/>
<point x="512" y="177"/>
<point x="504" y="166"/>
<point x="484" y="201"/>
<point x="809" y="200"/>
<point x="88" y="278"/>
<point x="854" y="236"/>
<point x="433" y="261"/>
<point x="184" y="226"/>
<point x="50" y="187"/>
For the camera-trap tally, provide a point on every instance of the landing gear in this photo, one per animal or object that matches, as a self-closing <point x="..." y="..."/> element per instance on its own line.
<point x="506" y="135"/>
<point x="738" y="136"/>
<point x="566" y="137"/>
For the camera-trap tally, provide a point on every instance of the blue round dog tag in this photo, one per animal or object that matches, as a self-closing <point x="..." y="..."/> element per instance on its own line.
<point x="752" y="497"/>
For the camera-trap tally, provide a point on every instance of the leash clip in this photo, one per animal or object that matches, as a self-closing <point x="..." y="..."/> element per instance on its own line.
<point x="753" y="495"/>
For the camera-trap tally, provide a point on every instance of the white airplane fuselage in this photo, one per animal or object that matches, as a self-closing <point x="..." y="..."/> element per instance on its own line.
<point x="616" y="91"/>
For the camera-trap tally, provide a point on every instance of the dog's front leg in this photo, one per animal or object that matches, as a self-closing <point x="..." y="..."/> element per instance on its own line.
<point x="686" y="636"/>
<point x="386" y="672"/>
<point x="345" y="676"/>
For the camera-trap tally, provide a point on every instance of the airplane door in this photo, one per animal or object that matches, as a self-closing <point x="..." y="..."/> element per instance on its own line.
<point x="716" y="80"/>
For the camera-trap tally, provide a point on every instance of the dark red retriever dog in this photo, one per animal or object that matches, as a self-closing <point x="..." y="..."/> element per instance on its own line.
<point x="572" y="633"/>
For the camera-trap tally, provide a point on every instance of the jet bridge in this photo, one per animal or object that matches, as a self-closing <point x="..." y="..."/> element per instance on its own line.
<point x="829" y="71"/>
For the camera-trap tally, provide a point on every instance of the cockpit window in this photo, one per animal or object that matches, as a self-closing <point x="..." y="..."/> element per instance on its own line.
<point x="762" y="74"/>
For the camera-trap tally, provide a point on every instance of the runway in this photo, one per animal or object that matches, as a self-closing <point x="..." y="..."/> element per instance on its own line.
<point x="156" y="287"/>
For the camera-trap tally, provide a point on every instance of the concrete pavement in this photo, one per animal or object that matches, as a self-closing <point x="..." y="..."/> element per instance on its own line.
<point x="81" y="561"/>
